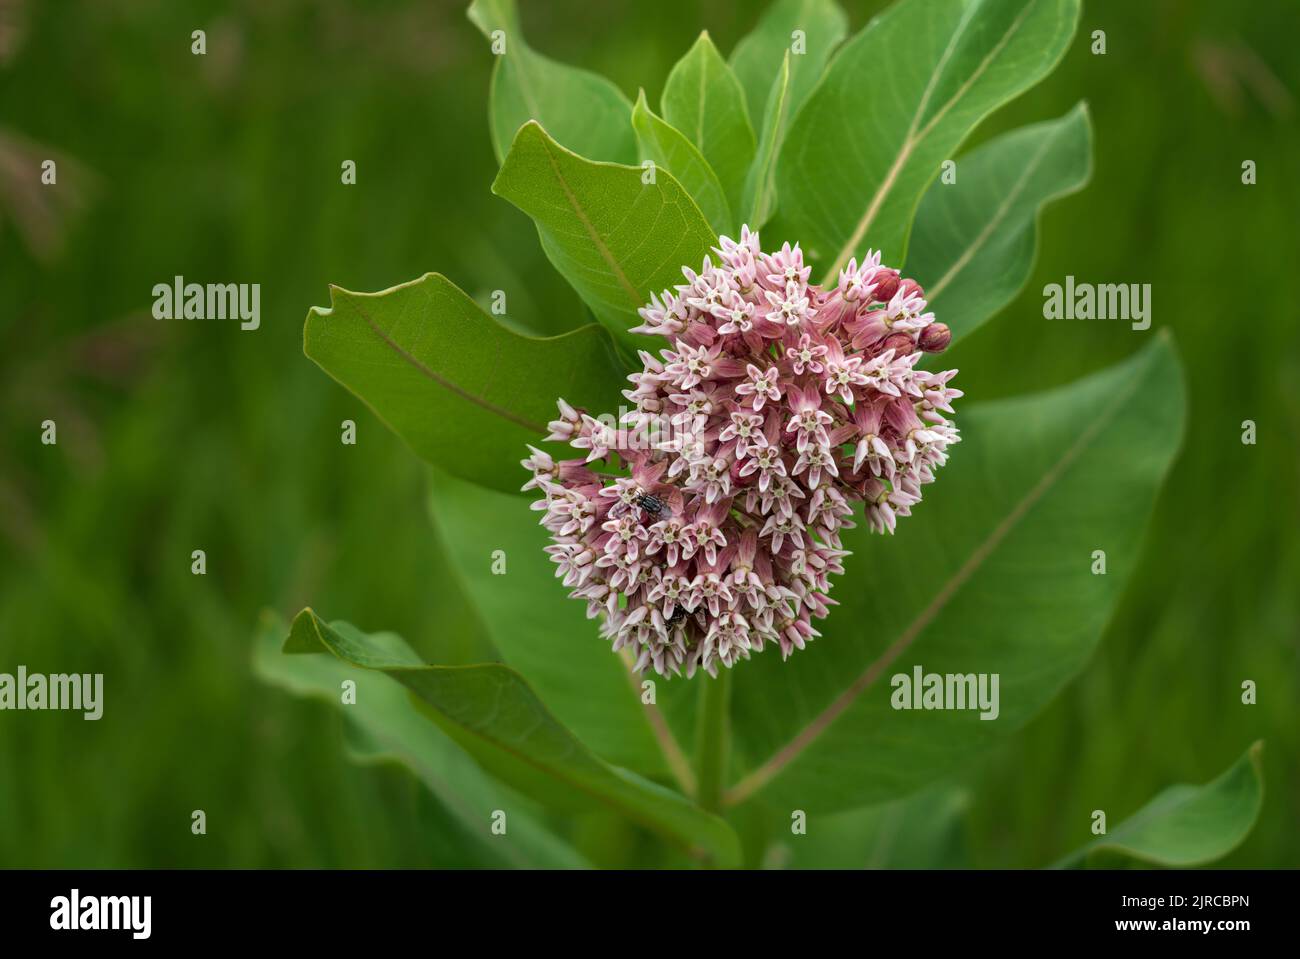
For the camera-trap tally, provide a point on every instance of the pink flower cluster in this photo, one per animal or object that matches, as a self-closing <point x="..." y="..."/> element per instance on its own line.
<point x="705" y="523"/>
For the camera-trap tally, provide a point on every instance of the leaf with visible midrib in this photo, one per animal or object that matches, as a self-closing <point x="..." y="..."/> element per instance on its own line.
<point x="614" y="237"/>
<point x="669" y="149"/>
<point x="493" y="714"/>
<point x="990" y="574"/>
<point x="462" y="390"/>
<point x="868" y="140"/>
<point x="384" y="726"/>
<point x="760" y="186"/>
<point x="1185" y="825"/>
<point x="974" y="240"/>
<point x="703" y="99"/>
<point x="583" y="110"/>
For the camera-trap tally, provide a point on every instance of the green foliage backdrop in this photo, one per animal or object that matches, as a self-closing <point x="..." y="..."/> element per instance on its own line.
<point x="176" y="436"/>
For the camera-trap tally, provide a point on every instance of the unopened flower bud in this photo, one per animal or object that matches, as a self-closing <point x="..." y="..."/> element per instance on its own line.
<point x="910" y="287"/>
<point x="901" y="343"/>
<point x="935" y="338"/>
<point x="887" y="282"/>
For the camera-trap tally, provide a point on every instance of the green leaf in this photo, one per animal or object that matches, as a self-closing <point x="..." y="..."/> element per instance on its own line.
<point x="758" y="56"/>
<point x="991" y="574"/>
<point x="384" y="726"/>
<point x="895" y="102"/>
<point x="974" y="240"/>
<point x="462" y="390"/>
<point x="493" y="714"/>
<point x="924" y="831"/>
<point x="1185" y="825"/>
<point x="542" y="633"/>
<point x="670" y="150"/>
<point x="582" y="110"/>
<point x="615" y="238"/>
<point x="703" y="99"/>
<point x="760" y="184"/>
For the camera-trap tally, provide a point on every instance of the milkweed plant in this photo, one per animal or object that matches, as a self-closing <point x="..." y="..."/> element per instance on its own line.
<point x="755" y="603"/>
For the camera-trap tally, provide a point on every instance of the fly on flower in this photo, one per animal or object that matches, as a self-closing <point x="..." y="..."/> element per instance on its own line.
<point x="651" y="506"/>
<point x="794" y="409"/>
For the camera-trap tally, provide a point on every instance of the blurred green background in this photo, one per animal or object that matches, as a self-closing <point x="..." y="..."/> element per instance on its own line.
<point x="176" y="436"/>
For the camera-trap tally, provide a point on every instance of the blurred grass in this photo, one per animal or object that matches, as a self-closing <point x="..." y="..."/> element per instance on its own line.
<point x="175" y="436"/>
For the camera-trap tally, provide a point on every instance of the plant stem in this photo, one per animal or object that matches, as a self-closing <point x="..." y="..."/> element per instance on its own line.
<point x="713" y="739"/>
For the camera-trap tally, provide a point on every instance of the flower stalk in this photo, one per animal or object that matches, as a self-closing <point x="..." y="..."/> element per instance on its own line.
<point x="713" y="739"/>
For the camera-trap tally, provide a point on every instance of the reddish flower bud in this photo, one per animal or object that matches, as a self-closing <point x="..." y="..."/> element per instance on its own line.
<point x="935" y="338"/>
<point x="910" y="287"/>
<point x="887" y="282"/>
<point x="736" y="478"/>
<point x="901" y="343"/>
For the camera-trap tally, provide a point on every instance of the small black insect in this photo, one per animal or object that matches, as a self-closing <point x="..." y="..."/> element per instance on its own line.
<point x="679" y="613"/>
<point x="653" y="507"/>
<point x="651" y="504"/>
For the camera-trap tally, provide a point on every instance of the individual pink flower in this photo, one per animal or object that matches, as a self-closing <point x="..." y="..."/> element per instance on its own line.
<point x="706" y="523"/>
<point x="745" y="428"/>
<point x="806" y="355"/>
<point x="809" y="421"/>
<point x="789" y="307"/>
<point x="785" y="266"/>
<point x="737" y="314"/>
<point x="842" y="374"/>
<point x="761" y="386"/>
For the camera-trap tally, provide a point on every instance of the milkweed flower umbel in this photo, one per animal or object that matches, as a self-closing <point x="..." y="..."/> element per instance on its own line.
<point x="704" y="523"/>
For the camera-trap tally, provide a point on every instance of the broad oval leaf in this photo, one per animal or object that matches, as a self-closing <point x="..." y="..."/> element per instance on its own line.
<point x="807" y="31"/>
<point x="581" y="109"/>
<point x="545" y="635"/>
<point x="463" y="391"/>
<point x="973" y="242"/>
<point x="760" y="184"/>
<point x="384" y="726"/>
<point x="668" y="148"/>
<point x="616" y="238"/>
<point x="1184" y="825"/>
<point x="990" y="575"/>
<point x="703" y="99"/>
<point x="895" y="102"/>
<point x="493" y="714"/>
